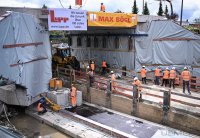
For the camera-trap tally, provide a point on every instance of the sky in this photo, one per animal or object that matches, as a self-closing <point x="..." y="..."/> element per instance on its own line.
<point x="191" y="7"/>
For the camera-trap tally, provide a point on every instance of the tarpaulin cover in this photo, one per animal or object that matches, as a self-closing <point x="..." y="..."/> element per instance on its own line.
<point x="148" y="52"/>
<point x="19" y="28"/>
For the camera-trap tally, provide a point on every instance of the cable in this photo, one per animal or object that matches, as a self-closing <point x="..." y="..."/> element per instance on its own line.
<point x="7" y="118"/>
<point x="61" y="3"/>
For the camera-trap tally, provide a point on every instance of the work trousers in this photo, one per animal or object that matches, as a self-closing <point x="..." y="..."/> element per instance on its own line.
<point x="157" y="80"/>
<point x="188" y="86"/>
<point x="91" y="79"/>
<point x="144" y="80"/>
<point x="103" y="70"/>
<point x="165" y="81"/>
<point x="171" y="83"/>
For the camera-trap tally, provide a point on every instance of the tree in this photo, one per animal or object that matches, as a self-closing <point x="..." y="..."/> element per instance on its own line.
<point x="118" y="11"/>
<point x="145" y="10"/>
<point x="44" y="6"/>
<point x="166" y="11"/>
<point x="135" y="8"/>
<point x="160" y="11"/>
<point x="174" y="16"/>
<point x="197" y="20"/>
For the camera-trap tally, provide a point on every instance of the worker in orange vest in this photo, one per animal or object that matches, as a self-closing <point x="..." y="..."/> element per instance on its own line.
<point x="73" y="93"/>
<point x="137" y="83"/>
<point x="102" y="8"/>
<point x="186" y="79"/>
<point x="41" y="107"/>
<point x="165" y="77"/>
<point x="92" y="66"/>
<point x="104" y="66"/>
<point x="157" y="76"/>
<point x="143" y="73"/>
<point x="113" y="80"/>
<point x="172" y="76"/>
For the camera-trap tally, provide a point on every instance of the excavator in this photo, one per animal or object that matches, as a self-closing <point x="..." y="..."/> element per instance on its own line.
<point x="63" y="58"/>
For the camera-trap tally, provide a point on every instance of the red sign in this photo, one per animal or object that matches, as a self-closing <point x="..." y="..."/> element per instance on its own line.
<point x="78" y="2"/>
<point x="57" y="19"/>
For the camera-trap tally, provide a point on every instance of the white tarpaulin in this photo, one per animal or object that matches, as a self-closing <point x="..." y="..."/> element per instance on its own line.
<point x="67" y="19"/>
<point x="31" y="64"/>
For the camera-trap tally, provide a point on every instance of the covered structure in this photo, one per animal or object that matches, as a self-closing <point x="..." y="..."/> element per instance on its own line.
<point x="25" y="52"/>
<point x="153" y="42"/>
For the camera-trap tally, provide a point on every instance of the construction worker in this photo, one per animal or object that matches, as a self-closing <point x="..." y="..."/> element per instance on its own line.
<point x="102" y="8"/>
<point x="186" y="79"/>
<point x="137" y="83"/>
<point x="104" y="66"/>
<point x="165" y="77"/>
<point x="92" y="66"/>
<point x="113" y="80"/>
<point x="172" y="76"/>
<point x="41" y="107"/>
<point x="143" y="73"/>
<point x="157" y="76"/>
<point x="91" y="77"/>
<point x="73" y="93"/>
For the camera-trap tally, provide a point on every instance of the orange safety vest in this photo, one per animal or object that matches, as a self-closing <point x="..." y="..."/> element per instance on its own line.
<point x="73" y="96"/>
<point x="92" y="66"/>
<point x="104" y="64"/>
<point x="185" y="75"/>
<point x="102" y="8"/>
<point x="138" y="84"/>
<point x="143" y="72"/>
<point x="172" y="74"/>
<point x="166" y="74"/>
<point x="39" y="108"/>
<point x="157" y="72"/>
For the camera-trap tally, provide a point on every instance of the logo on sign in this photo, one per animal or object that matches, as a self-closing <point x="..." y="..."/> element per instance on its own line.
<point x="57" y="19"/>
<point x="93" y="17"/>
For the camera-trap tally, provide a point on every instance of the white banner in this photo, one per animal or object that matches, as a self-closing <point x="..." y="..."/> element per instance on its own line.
<point x="67" y="19"/>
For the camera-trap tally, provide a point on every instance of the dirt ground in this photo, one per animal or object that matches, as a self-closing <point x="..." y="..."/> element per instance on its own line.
<point x="32" y="128"/>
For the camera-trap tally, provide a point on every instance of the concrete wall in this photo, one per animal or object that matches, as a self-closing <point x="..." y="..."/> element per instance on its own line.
<point x="149" y="111"/>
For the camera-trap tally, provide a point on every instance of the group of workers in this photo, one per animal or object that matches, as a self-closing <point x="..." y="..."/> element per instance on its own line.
<point x="169" y="77"/>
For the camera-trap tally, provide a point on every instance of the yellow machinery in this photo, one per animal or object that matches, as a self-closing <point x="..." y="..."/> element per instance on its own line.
<point x="63" y="58"/>
<point x="53" y="106"/>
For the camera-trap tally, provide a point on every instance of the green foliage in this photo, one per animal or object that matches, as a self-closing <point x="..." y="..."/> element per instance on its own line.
<point x="160" y="11"/>
<point x="44" y="6"/>
<point x="145" y="10"/>
<point x="166" y="11"/>
<point x="135" y="8"/>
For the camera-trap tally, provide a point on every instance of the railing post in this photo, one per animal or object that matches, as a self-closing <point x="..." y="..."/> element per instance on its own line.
<point x="135" y="101"/>
<point x="166" y="105"/>
<point x="108" y="94"/>
<point x="88" y="88"/>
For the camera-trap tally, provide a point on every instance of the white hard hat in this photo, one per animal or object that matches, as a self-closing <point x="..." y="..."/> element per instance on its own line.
<point x="167" y="68"/>
<point x="143" y="66"/>
<point x="136" y="78"/>
<point x="111" y="72"/>
<point x="88" y="67"/>
<point x="185" y="67"/>
<point x="173" y="68"/>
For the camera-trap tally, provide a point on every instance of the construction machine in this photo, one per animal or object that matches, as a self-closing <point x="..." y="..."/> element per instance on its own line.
<point x="63" y="58"/>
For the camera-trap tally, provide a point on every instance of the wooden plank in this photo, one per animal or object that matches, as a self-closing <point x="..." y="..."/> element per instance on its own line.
<point x="13" y="65"/>
<point x="174" y="39"/>
<point x="22" y="45"/>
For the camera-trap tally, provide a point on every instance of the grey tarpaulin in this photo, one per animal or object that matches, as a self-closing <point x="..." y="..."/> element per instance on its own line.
<point x="148" y="52"/>
<point x="19" y="28"/>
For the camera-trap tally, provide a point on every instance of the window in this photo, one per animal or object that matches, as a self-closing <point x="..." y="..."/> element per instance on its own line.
<point x="79" y="41"/>
<point x="116" y="42"/>
<point x="96" y="42"/>
<point x="88" y="41"/>
<point x="104" y="42"/>
<point x="130" y="44"/>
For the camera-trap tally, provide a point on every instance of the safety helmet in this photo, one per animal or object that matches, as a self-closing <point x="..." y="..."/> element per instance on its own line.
<point x="167" y="68"/>
<point x="92" y="62"/>
<point x="173" y="68"/>
<point x="185" y="68"/>
<point x="143" y="66"/>
<point x="111" y="72"/>
<point x="88" y="67"/>
<point x="136" y="78"/>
